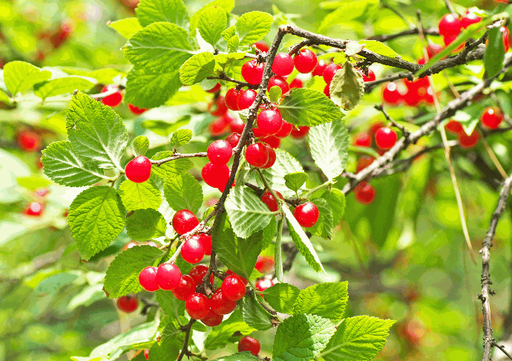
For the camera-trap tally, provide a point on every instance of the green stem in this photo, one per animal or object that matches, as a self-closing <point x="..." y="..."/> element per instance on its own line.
<point x="313" y="190"/>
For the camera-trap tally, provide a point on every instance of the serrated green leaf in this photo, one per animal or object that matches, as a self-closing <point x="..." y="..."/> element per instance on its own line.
<point x="233" y="44"/>
<point x="240" y="356"/>
<point x="221" y="335"/>
<point x="96" y="217"/>
<point x="212" y="22"/>
<point x="329" y="147"/>
<point x="172" y="11"/>
<point x="140" y="145"/>
<point x="285" y="164"/>
<point x="4" y="98"/>
<point x="358" y="338"/>
<point x="494" y="52"/>
<point x="96" y="131"/>
<point x="170" y="343"/>
<point x="169" y="304"/>
<point x="140" y="195"/>
<point x="63" y="166"/>
<point x="347" y="87"/>
<point x="324" y="226"/>
<point x="197" y="68"/>
<point x="254" y="315"/>
<point x="327" y="300"/>
<point x="64" y="85"/>
<point x="295" y="180"/>
<point x="347" y="11"/>
<point x="181" y="137"/>
<point x="183" y="192"/>
<point x="302" y="338"/>
<point x="308" y="107"/>
<point x="281" y="297"/>
<point x="247" y="213"/>
<point x="337" y="202"/>
<point x="146" y="224"/>
<point x="33" y="182"/>
<point x="275" y="93"/>
<point x="378" y="48"/>
<point x="253" y="26"/>
<point x="164" y="128"/>
<point x="269" y="233"/>
<point x="126" y="27"/>
<point x="172" y="168"/>
<point x="278" y="252"/>
<point x="227" y="5"/>
<point x="229" y="33"/>
<point x="20" y="76"/>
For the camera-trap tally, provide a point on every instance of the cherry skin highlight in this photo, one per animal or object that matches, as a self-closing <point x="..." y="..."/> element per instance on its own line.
<point x="305" y="61"/>
<point x="269" y="121"/>
<point x="237" y="125"/>
<point x="147" y="279"/>
<point x="29" y="141"/>
<point x="138" y="170"/>
<point x="363" y="140"/>
<point x="168" y="276"/>
<point x="246" y="99"/>
<point x="233" y="288"/>
<point x="219" y="152"/>
<point x="233" y="139"/>
<point x="449" y="25"/>
<point x="186" y="287"/>
<point x="385" y="138"/>
<point x="127" y="304"/>
<point x="198" y="272"/>
<point x="248" y="343"/>
<point x="220" y="304"/>
<point x="184" y="221"/>
<point x="257" y="155"/>
<point x="491" y="118"/>
<point x="197" y="306"/>
<point x="215" y="175"/>
<point x="265" y="264"/>
<point x="320" y="68"/>
<point x="283" y="64"/>
<point x="112" y="100"/>
<point x="252" y="71"/>
<point x="390" y="94"/>
<point x="306" y="214"/>
<point x="231" y="98"/>
<point x="193" y="250"/>
<point x="34" y="209"/>
<point x="263" y="284"/>
<point x="296" y="83"/>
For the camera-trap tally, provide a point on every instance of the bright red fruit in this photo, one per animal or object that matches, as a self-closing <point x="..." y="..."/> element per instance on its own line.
<point x="220" y="125"/>
<point x="364" y="193"/>
<point x="300" y="132"/>
<point x="256" y="155"/>
<point x="34" y="209"/>
<point x="327" y="91"/>
<point x="233" y="288"/>
<point x="454" y="127"/>
<point x="319" y="69"/>
<point x="271" y="140"/>
<point x="206" y="240"/>
<point x="212" y="319"/>
<point x="233" y="139"/>
<point x="433" y="49"/>
<point x="246" y="99"/>
<point x="390" y="94"/>
<point x="193" y="250"/>
<point x="112" y="100"/>
<point x="138" y="170"/>
<point x="263" y="284"/>
<point x="198" y="272"/>
<point x="305" y="61"/>
<point x="261" y="46"/>
<point x="214" y="175"/>
<point x="306" y="214"/>
<point x="252" y="71"/>
<point x="468" y="141"/>
<point x="265" y="264"/>
<point x="168" y="276"/>
<point x="197" y="306"/>
<point x="127" y="304"/>
<point x="219" y="152"/>
<point x="29" y="141"/>
<point x="506" y="37"/>
<point x="231" y="98"/>
<point x="220" y="304"/>
<point x="385" y="138"/>
<point x="237" y="125"/>
<point x="147" y="279"/>
<point x="270" y="201"/>
<point x="271" y="156"/>
<point x="280" y="82"/>
<point x="329" y="72"/>
<point x="364" y="162"/>
<point x="186" y="287"/>
<point x="218" y="107"/>
<point x="363" y="140"/>
<point x="285" y="131"/>
<point x="375" y="126"/>
<point x="412" y="97"/>
<point x="449" y="25"/>
<point x="184" y="221"/>
<point x="146" y="354"/>
<point x="469" y="19"/>
<point x="491" y="118"/>
<point x="370" y="77"/>
<point x="215" y="89"/>
<point x="296" y="83"/>
<point x="283" y="64"/>
<point x="269" y="121"/>
<point x="136" y="110"/>
<point x="248" y="343"/>
<point x="231" y="273"/>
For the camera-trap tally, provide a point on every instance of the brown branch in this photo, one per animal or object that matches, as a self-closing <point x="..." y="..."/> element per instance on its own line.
<point x="187" y="329"/>
<point x="413" y="31"/>
<point x="175" y="156"/>
<point x="224" y="76"/>
<point x="369" y="86"/>
<point x="502" y="348"/>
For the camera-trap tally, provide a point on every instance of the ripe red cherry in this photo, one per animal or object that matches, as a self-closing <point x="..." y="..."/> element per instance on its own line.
<point x="248" y="343"/>
<point x="212" y="319"/>
<point x="263" y="284"/>
<point x="220" y="125"/>
<point x="454" y="127"/>
<point x="264" y="264"/>
<point x="468" y="141"/>
<point x="215" y="89"/>
<point x="364" y="162"/>
<point x="233" y="288"/>
<point x="246" y="99"/>
<point x="449" y="25"/>
<point x="256" y="155"/>
<point x="231" y="98"/>
<point x="305" y="61"/>
<point x="127" y="304"/>
<point x="270" y="201"/>
<point x="280" y="82"/>
<point x="433" y="49"/>
<point x="206" y="240"/>
<point x="136" y="110"/>
<point x="197" y="306"/>
<point x="258" y="133"/>
<point x="184" y="221"/>
<point x="283" y="64"/>
<point x="506" y="38"/>
<point x="215" y="175"/>
<point x="296" y="83"/>
<point x="218" y="107"/>
<point x="146" y="354"/>
<point x="231" y="273"/>
<point x="252" y="71"/>
<point x="390" y="94"/>
<point x="271" y="140"/>
<point x="491" y="118"/>
<point x="364" y="192"/>
<point x="285" y="131"/>
<point x="301" y="132"/>
<point x="412" y="97"/>
<point x="469" y="19"/>
<point x="363" y="140"/>
<point x="261" y="46"/>
<point x="198" y="272"/>
<point x="269" y="121"/>
<point x="147" y="279"/>
<point x="29" y="141"/>
<point x="220" y="304"/>
<point x="34" y="209"/>
<point x="168" y="276"/>
<point x="271" y="156"/>
<point x="319" y="69"/>
<point x="306" y="214"/>
<point x="193" y="250"/>
<point x="186" y="287"/>
<point x="219" y="152"/>
<point x="385" y="138"/>
<point x="370" y="77"/>
<point x="237" y="125"/>
<point x="112" y="100"/>
<point x="327" y="91"/>
<point x="375" y="126"/>
<point x="329" y="72"/>
<point x="233" y="139"/>
<point x="138" y="170"/>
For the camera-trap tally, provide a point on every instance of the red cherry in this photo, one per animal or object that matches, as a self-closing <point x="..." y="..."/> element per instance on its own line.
<point x="220" y="125"/>
<point x="491" y="118"/>
<point x="363" y="140"/>
<point x="231" y="273"/>
<point x="296" y="83"/>
<point x="184" y="221"/>
<point x="449" y="25"/>
<point x="319" y="69"/>
<point x="364" y="162"/>
<point x="136" y="110"/>
<point x="385" y="138"/>
<point x="214" y="175"/>
<point x="212" y="319"/>
<point x="246" y="99"/>
<point x="306" y="214"/>
<point x="231" y="98"/>
<point x="147" y="279"/>
<point x="252" y="71"/>
<point x="258" y="133"/>
<point x="390" y="94"/>
<point x="506" y="38"/>
<point x="168" y="276"/>
<point x="450" y="39"/>
<point x="146" y="352"/>
<point x="112" y="100"/>
<point x="29" y="141"/>
<point x="364" y="192"/>
<point x="412" y="97"/>
<point x="198" y="272"/>
<point x="469" y="19"/>
<point x="220" y="304"/>
<point x="305" y="61"/>
<point x="186" y="287"/>
<point x="206" y="240"/>
<point x="233" y="139"/>
<point x="454" y="127"/>
<point x="269" y="121"/>
<point x="271" y="156"/>
<point x="327" y="91"/>
<point x="138" y="170"/>
<point x="237" y="125"/>
<point x="280" y="82"/>
<point x="271" y="140"/>
<point x="270" y="201"/>
<point x="285" y="131"/>
<point x="233" y="288"/>
<point x="468" y="141"/>
<point x="263" y="284"/>
<point x="197" y="306"/>
<point x="256" y="155"/>
<point x="193" y="250"/>
<point x="283" y="64"/>
<point x="218" y="107"/>
<point x="301" y="132"/>
<point x="265" y="264"/>
<point x="329" y="72"/>
<point x="127" y="304"/>
<point x="375" y="126"/>
<point x="215" y="89"/>
<point x="433" y="49"/>
<point x="261" y="46"/>
<point x="34" y="209"/>
<point x="219" y="152"/>
<point x="370" y="77"/>
<point x="248" y="343"/>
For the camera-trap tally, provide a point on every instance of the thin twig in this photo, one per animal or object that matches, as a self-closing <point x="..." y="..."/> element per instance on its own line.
<point x="388" y="118"/>
<point x="413" y="31"/>
<point x="450" y="8"/>
<point x="398" y="13"/>
<point x="187" y="328"/>
<point x="502" y="348"/>
<point x="175" y="156"/>
<point x="223" y="76"/>
<point x="369" y="86"/>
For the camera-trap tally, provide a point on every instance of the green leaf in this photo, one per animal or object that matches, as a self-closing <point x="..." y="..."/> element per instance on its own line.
<point x="197" y="68"/>
<point x="278" y="253"/>
<point x="171" y="11"/>
<point x="222" y="335"/>
<point x="126" y="27"/>
<point x="254" y="314"/>
<point x="212" y="22"/>
<point x="285" y="164"/>
<point x="122" y="276"/>
<point x="295" y="180"/>
<point x="33" y="182"/>
<point x="337" y="202"/>
<point x="253" y="26"/>
<point x="164" y="128"/>
<point x="275" y="94"/>
<point x="20" y="76"/>
<point x="308" y="107"/>
<point x="241" y="356"/>
<point x="227" y="5"/>
<point x="358" y="338"/>
<point x="64" y="85"/>
<point x="324" y="226"/>
<point x="4" y="98"/>
<point x="347" y="87"/>
<point x="233" y="44"/>
<point x="140" y="145"/>
<point x="96" y="131"/>
<point x="145" y="224"/>
<point x="54" y="283"/>
<point x="96" y="217"/>
<point x="327" y="300"/>
<point x="172" y="168"/>
<point x="229" y="33"/>
<point x="140" y="195"/>
<point x="282" y="297"/>
<point x="378" y="48"/>
<point x="269" y="233"/>
<point x="183" y="192"/>
<point x="169" y="304"/>
<point x="494" y="53"/>
<point x="329" y="147"/>
<point x="181" y="137"/>
<point x="347" y="11"/>
<point x="170" y="343"/>
<point x="63" y="166"/>
<point x="247" y="213"/>
<point x="301" y="338"/>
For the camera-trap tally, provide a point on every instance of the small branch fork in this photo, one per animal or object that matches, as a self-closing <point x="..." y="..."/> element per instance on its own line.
<point x="389" y="119"/>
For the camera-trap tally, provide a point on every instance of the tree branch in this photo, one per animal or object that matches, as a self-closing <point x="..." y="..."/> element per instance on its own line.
<point x="175" y="156"/>
<point x="187" y="329"/>
<point x="413" y="31"/>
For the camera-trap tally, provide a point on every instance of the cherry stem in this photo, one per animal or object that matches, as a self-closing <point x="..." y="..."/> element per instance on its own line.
<point x="388" y="118"/>
<point x="175" y="156"/>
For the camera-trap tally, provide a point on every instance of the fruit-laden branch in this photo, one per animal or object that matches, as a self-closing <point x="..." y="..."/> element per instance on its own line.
<point x="486" y="277"/>
<point x="413" y="31"/>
